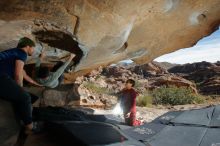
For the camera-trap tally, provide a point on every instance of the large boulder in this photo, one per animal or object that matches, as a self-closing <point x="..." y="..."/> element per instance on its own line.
<point x="204" y="74"/>
<point x="63" y="95"/>
<point x="210" y="86"/>
<point x="149" y="69"/>
<point x="171" y="80"/>
<point x="85" y="94"/>
<point x="103" y="32"/>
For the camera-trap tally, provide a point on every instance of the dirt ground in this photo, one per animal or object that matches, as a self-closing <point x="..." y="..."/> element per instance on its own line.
<point x="147" y="114"/>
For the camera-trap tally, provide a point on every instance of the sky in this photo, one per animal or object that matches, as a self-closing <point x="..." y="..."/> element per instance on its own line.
<point x="207" y="49"/>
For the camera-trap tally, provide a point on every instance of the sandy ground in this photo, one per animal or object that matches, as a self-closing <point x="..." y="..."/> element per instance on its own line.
<point x="147" y="114"/>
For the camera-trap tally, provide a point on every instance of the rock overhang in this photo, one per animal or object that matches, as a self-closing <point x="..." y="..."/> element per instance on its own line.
<point x="104" y="32"/>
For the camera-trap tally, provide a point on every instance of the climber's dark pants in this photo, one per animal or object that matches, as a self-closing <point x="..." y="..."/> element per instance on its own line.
<point x="20" y="99"/>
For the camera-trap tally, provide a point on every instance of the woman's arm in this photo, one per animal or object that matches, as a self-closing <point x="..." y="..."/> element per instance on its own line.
<point x="29" y="79"/>
<point x="60" y="71"/>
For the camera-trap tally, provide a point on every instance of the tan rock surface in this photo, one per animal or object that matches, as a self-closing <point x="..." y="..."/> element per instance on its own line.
<point x="110" y="30"/>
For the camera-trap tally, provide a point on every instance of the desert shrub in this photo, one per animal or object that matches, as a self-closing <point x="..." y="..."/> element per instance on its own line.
<point x="175" y="96"/>
<point x="138" y="84"/>
<point x="97" y="77"/>
<point x="144" y="99"/>
<point x="96" y="89"/>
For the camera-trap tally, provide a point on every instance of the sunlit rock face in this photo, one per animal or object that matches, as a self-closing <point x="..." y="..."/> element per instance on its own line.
<point x="103" y="32"/>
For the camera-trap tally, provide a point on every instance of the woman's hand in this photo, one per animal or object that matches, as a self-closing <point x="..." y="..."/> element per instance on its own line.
<point x="128" y="115"/>
<point x="42" y="55"/>
<point x="71" y="56"/>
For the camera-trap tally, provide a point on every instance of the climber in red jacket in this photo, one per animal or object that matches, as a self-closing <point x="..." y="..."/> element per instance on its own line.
<point x="128" y="103"/>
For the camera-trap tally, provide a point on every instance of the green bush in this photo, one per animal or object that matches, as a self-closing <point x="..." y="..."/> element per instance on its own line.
<point x="100" y="90"/>
<point x="138" y="84"/>
<point x="144" y="100"/>
<point x="175" y="96"/>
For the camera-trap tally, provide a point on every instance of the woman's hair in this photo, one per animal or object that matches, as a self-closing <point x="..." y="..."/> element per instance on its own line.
<point x="132" y="82"/>
<point x="57" y="66"/>
<point x="43" y="72"/>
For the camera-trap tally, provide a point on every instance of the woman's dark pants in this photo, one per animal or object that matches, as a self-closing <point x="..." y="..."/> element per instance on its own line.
<point x="20" y="99"/>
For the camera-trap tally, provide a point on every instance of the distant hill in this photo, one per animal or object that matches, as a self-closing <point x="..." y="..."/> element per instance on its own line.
<point x="165" y="65"/>
<point x="191" y="67"/>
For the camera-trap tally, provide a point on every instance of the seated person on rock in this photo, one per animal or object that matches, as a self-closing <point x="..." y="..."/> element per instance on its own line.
<point x="128" y="103"/>
<point x="12" y="73"/>
<point x="51" y="78"/>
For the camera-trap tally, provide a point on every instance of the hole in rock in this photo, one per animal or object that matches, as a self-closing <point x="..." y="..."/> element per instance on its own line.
<point x="91" y="98"/>
<point x="84" y="100"/>
<point x="60" y="40"/>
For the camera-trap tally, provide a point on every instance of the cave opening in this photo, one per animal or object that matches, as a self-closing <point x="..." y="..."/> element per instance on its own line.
<point x="60" y="40"/>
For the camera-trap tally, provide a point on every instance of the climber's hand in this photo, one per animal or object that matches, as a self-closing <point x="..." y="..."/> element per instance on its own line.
<point x="128" y="115"/>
